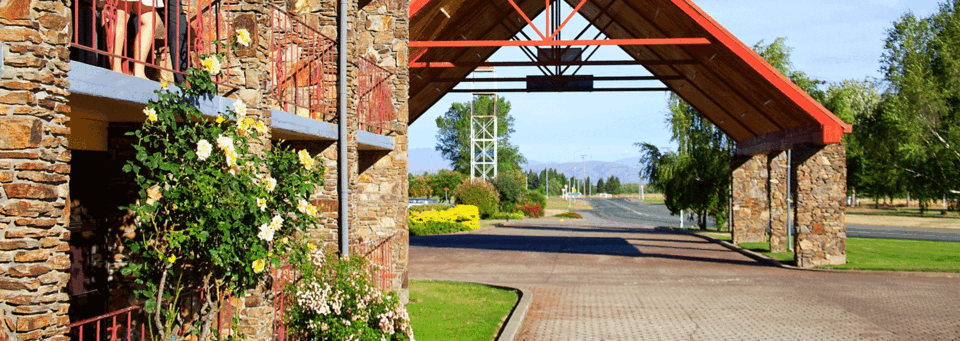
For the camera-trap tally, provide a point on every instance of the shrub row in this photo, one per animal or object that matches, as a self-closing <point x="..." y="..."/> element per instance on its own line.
<point x="446" y="220"/>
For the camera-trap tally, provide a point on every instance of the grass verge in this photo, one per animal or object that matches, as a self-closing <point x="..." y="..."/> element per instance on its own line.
<point x="458" y="311"/>
<point x="901" y="255"/>
<point x="764" y="248"/>
<point x="559" y="203"/>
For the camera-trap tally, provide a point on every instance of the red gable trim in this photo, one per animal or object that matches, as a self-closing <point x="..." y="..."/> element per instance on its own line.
<point x="417" y="5"/>
<point x="801" y="98"/>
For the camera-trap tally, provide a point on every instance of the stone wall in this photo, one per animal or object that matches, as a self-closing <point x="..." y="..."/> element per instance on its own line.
<point x="381" y="192"/>
<point x="777" y="168"/>
<point x="750" y="206"/>
<point x="34" y="169"/>
<point x="820" y="173"/>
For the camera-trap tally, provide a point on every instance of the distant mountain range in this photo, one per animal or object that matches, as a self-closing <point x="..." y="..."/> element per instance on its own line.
<point x="429" y="160"/>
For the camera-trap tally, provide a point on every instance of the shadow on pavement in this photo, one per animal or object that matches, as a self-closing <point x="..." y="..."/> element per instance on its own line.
<point x="609" y="246"/>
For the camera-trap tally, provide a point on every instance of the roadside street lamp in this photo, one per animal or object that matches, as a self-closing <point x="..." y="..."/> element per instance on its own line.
<point x="446" y="195"/>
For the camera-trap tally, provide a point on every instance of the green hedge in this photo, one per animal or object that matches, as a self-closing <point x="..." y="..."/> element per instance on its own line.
<point x="503" y="215"/>
<point x="433" y="207"/>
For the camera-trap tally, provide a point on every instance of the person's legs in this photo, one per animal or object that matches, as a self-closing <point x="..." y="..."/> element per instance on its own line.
<point x="144" y="42"/>
<point x="119" y="37"/>
<point x="177" y="37"/>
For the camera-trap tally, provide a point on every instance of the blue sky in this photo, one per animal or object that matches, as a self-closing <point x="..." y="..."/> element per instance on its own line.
<point x="832" y="40"/>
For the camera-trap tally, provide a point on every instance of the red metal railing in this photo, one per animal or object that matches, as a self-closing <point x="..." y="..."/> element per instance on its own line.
<point x="125" y="329"/>
<point x="379" y="256"/>
<point x="169" y="37"/>
<point x="305" y="67"/>
<point x="376" y="97"/>
<point x="132" y="324"/>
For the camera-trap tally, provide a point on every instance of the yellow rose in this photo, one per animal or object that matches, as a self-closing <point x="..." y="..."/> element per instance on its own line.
<point x="172" y="258"/>
<point x="259" y="265"/>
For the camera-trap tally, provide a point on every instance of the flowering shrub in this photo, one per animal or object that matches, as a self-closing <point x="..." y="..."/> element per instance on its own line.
<point x="479" y="193"/>
<point x="334" y="301"/>
<point x="211" y="204"/>
<point x="532" y="209"/>
<point x="420" y="186"/>
<point x="466" y="215"/>
<point x="505" y="215"/>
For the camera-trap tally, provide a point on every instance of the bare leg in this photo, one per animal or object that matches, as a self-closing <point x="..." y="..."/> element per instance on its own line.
<point x="144" y="39"/>
<point x="119" y="38"/>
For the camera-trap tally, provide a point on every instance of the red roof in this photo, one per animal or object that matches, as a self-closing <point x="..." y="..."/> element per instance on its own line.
<point x="725" y="80"/>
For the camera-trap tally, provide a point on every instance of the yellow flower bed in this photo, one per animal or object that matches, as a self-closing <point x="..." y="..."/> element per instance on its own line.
<point x="468" y="215"/>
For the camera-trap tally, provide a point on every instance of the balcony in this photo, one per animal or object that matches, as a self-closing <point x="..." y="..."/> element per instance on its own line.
<point x="122" y="50"/>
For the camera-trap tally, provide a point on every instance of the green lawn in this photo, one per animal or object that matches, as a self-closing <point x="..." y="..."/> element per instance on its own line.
<point x="458" y="311"/>
<point x="901" y="255"/>
<point x="764" y="248"/>
<point x="885" y="255"/>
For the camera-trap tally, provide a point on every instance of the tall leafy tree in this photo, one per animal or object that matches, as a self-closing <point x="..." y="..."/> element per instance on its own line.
<point x="920" y="63"/>
<point x="696" y="178"/>
<point x="453" y="137"/>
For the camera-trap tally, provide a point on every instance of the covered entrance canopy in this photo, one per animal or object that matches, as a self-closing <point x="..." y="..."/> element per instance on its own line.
<point x="676" y="41"/>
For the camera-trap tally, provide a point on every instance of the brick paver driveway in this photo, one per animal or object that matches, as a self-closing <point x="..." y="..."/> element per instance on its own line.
<point x="624" y="283"/>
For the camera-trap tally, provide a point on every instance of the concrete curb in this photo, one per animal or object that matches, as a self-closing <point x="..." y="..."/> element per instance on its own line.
<point x="510" y="327"/>
<point x="764" y="259"/>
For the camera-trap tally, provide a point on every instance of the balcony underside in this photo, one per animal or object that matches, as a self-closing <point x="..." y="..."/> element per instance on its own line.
<point x="117" y="97"/>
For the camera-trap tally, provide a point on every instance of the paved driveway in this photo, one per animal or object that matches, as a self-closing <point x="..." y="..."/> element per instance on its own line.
<point x="618" y="282"/>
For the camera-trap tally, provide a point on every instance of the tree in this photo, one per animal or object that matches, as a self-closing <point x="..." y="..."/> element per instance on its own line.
<point x="600" y="186"/>
<point x="445" y="178"/>
<point x="854" y="101"/>
<point x="510" y="187"/>
<point x="453" y="137"/>
<point x="696" y="177"/>
<point x="921" y="107"/>
<point x="420" y="186"/>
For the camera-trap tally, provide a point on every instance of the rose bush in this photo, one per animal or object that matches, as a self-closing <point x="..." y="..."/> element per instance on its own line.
<point x="212" y="202"/>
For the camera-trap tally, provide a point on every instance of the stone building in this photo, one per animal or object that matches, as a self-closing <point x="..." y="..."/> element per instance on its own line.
<point x="63" y="115"/>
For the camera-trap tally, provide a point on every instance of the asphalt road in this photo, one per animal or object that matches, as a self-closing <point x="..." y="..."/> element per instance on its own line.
<point x="631" y="211"/>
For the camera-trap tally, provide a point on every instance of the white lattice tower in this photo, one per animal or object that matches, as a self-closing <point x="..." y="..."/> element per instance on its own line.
<point x="483" y="138"/>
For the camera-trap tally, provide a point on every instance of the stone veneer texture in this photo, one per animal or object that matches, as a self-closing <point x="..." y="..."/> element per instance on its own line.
<point x="820" y="173"/>
<point x="777" y="166"/>
<point x="34" y="169"/>
<point x="750" y="206"/>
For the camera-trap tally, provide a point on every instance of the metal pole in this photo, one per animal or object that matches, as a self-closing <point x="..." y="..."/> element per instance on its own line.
<point x="681" y="219"/>
<point x="473" y="137"/>
<point x="342" y="144"/>
<point x="496" y="134"/>
<point x="547" y="195"/>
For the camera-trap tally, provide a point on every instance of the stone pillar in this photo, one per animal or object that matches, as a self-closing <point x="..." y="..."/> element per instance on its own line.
<point x="750" y="208"/>
<point x="820" y="173"/>
<point x="34" y="169"/>
<point x="778" y="166"/>
<point x="247" y="65"/>
<point x="382" y="35"/>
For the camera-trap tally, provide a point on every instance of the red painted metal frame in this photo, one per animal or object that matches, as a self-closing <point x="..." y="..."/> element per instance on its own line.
<point x="551" y="63"/>
<point x="601" y="42"/>
<point x="379" y="255"/>
<point x="304" y="67"/>
<point x="375" y="109"/>
<point x="79" y="329"/>
<point x="208" y="22"/>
